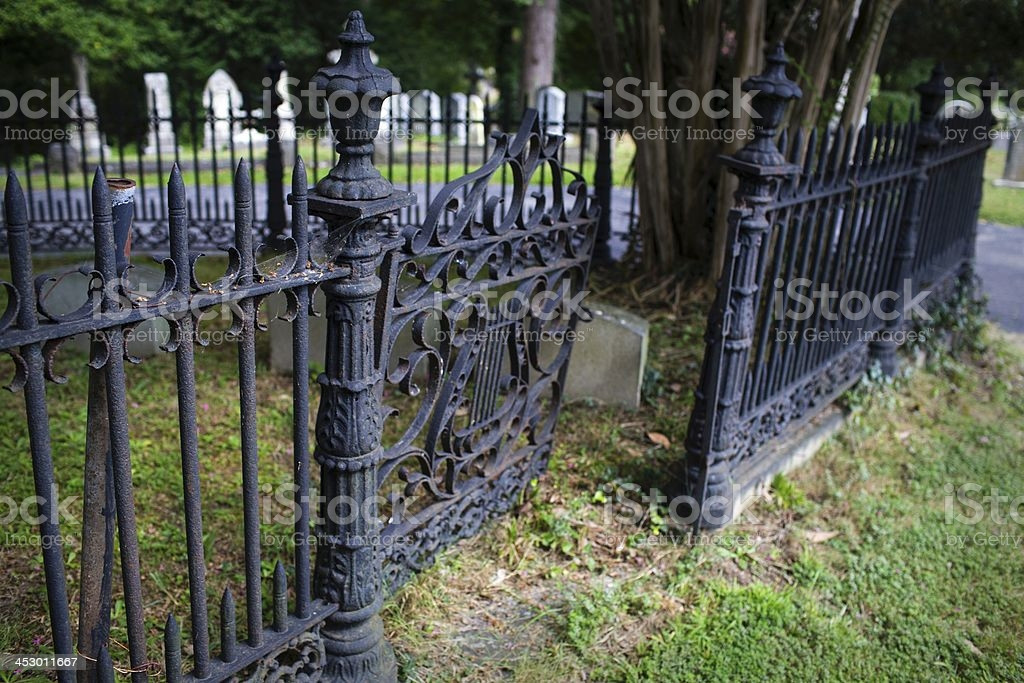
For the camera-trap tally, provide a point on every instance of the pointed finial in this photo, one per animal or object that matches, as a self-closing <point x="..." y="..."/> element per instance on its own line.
<point x="355" y="32"/>
<point x="100" y="195"/>
<point x="14" y="205"/>
<point x="176" y="187"/>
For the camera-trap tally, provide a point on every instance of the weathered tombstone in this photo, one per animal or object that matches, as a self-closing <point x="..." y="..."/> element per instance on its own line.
<point x="158" y="102"/>
<point x="222" y="100"/>
<point x="426" y="108"/>
<point x="458" y="109"/>
<point x="84" y="131"/>
<point x="477" y="133"/>
<point x="575" y="104"/>
<point x="608" y="362"/>
<point x="551" y="106"/>
<point x="1014" y="169"/>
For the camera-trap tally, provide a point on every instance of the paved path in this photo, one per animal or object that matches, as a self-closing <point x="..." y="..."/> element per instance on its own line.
<point x="1000" y="264"/>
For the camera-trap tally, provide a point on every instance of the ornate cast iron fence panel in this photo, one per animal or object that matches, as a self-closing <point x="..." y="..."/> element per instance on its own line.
<point x="478" y="319"/>
<point x="31" y="334"/>
<point x="476" y="433"/>
<point x="841" y="212"/>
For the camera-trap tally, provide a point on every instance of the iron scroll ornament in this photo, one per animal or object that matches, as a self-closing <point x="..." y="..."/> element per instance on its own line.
<point x="486" y="380"/>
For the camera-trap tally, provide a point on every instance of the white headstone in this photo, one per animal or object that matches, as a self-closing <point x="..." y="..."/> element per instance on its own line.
<point x="394" y="116"/>
<point x="285" y="111"/>
<point x="158" y="102"/>
<point x="223" y="100"/>
<point x="477" y="132"/>
<point x="458" y="112"/>
<point x="551" y="106"/>
<point x="85" y="130"/>
<point x="426" y="107"/>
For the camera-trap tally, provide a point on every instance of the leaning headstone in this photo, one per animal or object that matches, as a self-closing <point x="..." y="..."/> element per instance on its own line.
<point x="608" y="359"/>
<point x="221" y="99"/>
<point x="609" y="356"/>
<point x="66" y="291"/>
<point x="477" y="133"/>
<point x="458" y="110"/>
<point x="551" y="107"/>
<point x="158" y="101"/>
<point x="426" y="108"/>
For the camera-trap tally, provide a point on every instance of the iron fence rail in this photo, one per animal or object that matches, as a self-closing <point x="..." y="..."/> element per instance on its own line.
<point x="857" y="211"/>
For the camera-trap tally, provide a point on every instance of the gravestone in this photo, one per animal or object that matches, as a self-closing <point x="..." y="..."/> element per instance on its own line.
<point x="84" y="131"/>
<point x="222" y="100"/>
<point x="608" y="359"/>
<point x="394" y="117"/>
<point x="551" y="107"/>
<point x="477" y="133"/>
<point x="158" y="103"/>
<point x="579" y="109"/>
<point x="285" y="121"/>
<point x="458" y="110"/>
<point x="426" y="108"/>
<point x="1014" y="169"/>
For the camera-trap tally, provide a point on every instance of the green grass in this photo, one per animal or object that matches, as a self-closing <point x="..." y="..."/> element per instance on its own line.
<point x="847" y="571"/>
<point x="1000" y="204"/>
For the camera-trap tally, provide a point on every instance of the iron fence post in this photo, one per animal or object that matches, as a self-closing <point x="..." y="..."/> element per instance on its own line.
<point x="929" y="139"/>
<point x="603" y="182"/>
<point x="353" y="199"/>
<point x="760" y="167"/>
<point x="275" y="164"/>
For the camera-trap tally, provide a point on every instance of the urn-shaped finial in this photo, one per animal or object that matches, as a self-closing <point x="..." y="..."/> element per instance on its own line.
<point x="355" y="89"/>
<point x="933" y="93"/>
<point x="772" y="92"/>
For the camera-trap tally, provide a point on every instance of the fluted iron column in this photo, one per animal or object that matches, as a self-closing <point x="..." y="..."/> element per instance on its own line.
<point x="353" y="200"/>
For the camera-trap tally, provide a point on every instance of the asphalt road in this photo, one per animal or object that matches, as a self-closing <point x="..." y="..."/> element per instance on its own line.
<point x="1000" y="265"/>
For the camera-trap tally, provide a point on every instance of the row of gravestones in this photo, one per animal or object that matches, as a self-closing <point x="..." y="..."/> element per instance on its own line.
<point x="408" y="113"/>
<point x="420" y="113"/>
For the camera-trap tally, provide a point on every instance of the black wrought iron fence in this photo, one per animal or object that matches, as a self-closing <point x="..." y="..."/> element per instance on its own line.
<point x="827" y="237"/>
<point x="425" y="141"/>
<point x="475" y="432"/>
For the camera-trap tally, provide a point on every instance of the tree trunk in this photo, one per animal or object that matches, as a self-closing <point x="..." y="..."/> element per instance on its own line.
<point x="873" y="24"/>
<point x="817" y="63"/>
<point x="539" y="28"/>
<point x="749" y="61"/>
<point x="694" y="158"/>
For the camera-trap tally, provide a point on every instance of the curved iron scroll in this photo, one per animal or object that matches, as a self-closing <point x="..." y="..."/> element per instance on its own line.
<point x="479" y="317"/>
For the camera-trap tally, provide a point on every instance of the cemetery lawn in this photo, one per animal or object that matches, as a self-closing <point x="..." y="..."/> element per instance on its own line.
<point x="846" y="572"/>
<point x="1000" y="204"/>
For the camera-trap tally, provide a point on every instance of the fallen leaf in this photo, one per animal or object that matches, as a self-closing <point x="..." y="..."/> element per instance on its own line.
<point x="820" y="536"/>
<point x="659" y="439"/>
